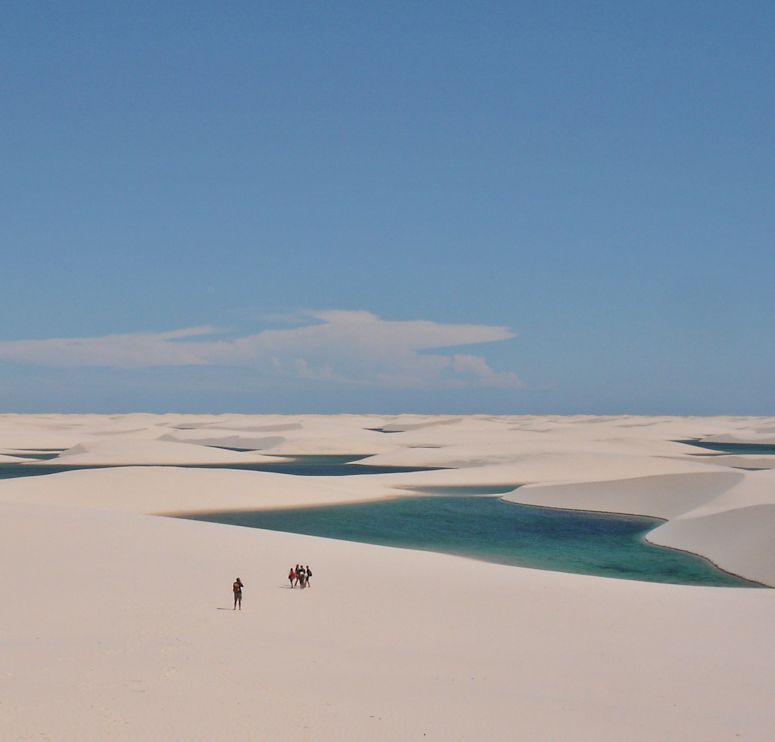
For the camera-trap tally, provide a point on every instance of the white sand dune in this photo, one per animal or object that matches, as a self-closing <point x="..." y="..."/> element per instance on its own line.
<point x="728" y="517"/>
<point x="736" y="529"/>
<point x="739" y="461"/>
<point x="122" y="638"/>
<point x="117" y="624"/>
<point x="405" y="423"/>
<point x="766" y="437"/>
<point x="152" y="452"/>
<point x="734" y="539"/>
<point x="171" y="489"/>
<point x="243" y="442"/>
<point x="663" y="495"/>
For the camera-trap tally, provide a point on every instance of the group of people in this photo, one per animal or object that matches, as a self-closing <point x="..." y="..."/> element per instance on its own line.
<point x="299" y="575"/>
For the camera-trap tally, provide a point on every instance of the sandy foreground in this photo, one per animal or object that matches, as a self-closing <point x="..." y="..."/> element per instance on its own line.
<point x="116" y="624"/>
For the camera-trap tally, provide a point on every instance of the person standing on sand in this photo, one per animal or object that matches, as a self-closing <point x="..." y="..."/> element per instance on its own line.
<point x="309" y="574"/>
<point x="291" y="577"/>
<point x="237" y="588"/>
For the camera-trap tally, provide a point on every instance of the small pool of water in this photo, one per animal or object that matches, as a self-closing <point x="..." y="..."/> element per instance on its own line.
<point x="309" y="466"/>
<point x="466" y="490"/>
<point x="34" y="455"/>
<point x="741" y="449"/>
<point x="490" y="529"/>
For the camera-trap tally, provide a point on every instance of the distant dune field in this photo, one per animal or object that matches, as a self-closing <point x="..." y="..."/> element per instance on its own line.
<point x="118" y="624"/>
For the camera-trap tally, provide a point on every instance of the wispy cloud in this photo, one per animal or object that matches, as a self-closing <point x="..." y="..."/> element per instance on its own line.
<point x="331" y="346"/>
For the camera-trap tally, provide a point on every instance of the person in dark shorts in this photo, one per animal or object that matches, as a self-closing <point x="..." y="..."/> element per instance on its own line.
<point x="309" y="574"/>
<point x="237" y="589"/>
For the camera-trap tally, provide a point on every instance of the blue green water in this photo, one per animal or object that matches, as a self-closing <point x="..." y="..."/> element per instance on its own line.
<point x="37" y="455"/>
<point x="468" y="521"/>
<point x="489" y="529"/>
<point x="481" y="490"/>
<point x="309" y="466"/>
<point x="741" y="449"/>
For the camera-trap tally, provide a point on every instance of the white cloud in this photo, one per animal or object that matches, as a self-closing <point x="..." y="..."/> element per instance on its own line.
<point x="333" y="346"/>
<point x="476" y="368"/>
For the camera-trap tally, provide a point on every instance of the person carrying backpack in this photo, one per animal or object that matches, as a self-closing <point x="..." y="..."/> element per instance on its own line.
<point x="237" y="589"/>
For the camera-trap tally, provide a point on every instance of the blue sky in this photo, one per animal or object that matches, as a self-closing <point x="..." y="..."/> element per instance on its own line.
<point x="506" y="207"/>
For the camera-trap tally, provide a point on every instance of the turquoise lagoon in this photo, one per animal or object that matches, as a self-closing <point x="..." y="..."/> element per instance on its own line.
<point x="489" y="529"/>
<point x="468" y="521"/>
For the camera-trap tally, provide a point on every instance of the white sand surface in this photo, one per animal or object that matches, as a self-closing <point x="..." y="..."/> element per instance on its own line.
<point x="117" y="624"/>
<point x="756" y="436"/>
<point x="735" y="529"/>
<point x="164" y="490"/>
<point x="739" y="461"/>
<point x="663" y="496"/>
<point x="120" y="450"/>
<point x="244" y="442"/>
